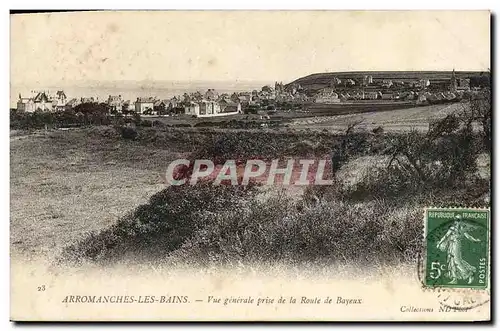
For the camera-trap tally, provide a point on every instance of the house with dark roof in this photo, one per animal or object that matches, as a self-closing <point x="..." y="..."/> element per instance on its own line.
<point x="160" y="107"/>
<point x="72" y="104"/>
<point x="60" y="100"/>
<point x="128" y="106"/>
<point x="43" y="102"/>
<point x="173" y="103"/>
<point x="40" y="102"/>
<point x="211" y="95"/>
<point x="145" y="105"/>
<point x="228" y="106"/>
<point x="115" y="103"/>
<point x="25" y="104"/>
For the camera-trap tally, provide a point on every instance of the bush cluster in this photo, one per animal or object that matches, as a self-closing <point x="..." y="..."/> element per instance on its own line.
<point x="330" y="232"/>
<point x="154" y="229"/>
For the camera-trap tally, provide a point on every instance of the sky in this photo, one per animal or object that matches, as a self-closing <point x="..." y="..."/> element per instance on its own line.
<point x="67" y="48"/>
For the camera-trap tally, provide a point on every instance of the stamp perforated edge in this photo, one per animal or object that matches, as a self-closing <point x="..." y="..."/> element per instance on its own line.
<point x="421" y="269"/>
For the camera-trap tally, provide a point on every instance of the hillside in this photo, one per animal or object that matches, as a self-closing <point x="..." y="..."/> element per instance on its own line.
<point x="321" y="80"/>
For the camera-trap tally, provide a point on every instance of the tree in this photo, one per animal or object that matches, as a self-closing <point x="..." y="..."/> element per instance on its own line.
<point x="445" y="155"/>
<point x="340" y="155"/>
<point x="166" y="111"/>
<point x="128" y="133"/>
<point x="481" y="111"/>
<point x="186" y="99"/>
<point x="267" y="89"/>
<point x="197" y="96"/>
<point x="125" y="111"/>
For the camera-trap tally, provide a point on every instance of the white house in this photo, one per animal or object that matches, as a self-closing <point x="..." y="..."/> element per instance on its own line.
<point x="144" y="104"/>
<point x="193" y="109"/>
<point x="208" y="108"/>
<point x="25" y="104"/>
<point x="115" y="103"/>
<point x="60" y="101"/>
<point x="40" y="102"/>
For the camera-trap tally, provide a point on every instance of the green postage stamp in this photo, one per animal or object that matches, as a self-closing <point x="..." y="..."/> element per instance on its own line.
<point x="457" y="247"/>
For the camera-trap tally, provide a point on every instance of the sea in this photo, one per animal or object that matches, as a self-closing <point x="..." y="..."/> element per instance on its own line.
<point x="131" y="90"/>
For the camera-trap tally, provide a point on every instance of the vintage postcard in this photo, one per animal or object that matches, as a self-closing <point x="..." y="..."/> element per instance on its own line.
<point x="250" y="166"/>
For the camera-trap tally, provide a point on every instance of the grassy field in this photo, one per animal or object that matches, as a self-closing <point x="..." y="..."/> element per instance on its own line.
<point x="68" y="184"/>
<point x="64" y="184"/>
<point x="394" y="121"/>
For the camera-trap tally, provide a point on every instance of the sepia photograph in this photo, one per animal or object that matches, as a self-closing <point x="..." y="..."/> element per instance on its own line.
<point x="239" y="165"/>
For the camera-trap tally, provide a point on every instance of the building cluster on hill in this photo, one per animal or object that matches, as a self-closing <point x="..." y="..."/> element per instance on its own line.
<point x="367" y="88"/>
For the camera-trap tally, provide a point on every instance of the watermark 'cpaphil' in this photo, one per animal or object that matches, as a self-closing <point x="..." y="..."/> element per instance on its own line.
<point x="236" y="172"/>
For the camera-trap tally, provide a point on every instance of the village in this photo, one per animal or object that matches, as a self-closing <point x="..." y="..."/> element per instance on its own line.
<point x="365" y="90"/>
<point x="249" y="164"/>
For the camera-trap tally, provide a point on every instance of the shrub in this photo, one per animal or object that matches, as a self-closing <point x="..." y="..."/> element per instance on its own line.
<point x="128" y="132"/>
<point x="207" y="124"/>
<point x="84" y="114"/>
<point x="137" y="118"/>
<point x="479" y="110"/>
<point x="159" y="124"/>
<point x="222" y="146"/>
<point x="327" y="233"/>
<point x="107" y="132"/>
<point x="316" y="193"/>
<point x="154" y="229"/>
<point x="445" y="156"/>
<point x="392" y="182"/>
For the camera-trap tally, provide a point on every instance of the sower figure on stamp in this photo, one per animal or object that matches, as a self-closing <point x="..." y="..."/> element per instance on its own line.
<point x="451" y="243"/>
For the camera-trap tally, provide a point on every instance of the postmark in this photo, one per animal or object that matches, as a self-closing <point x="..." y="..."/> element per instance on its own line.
<point x="456" y="258"/>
